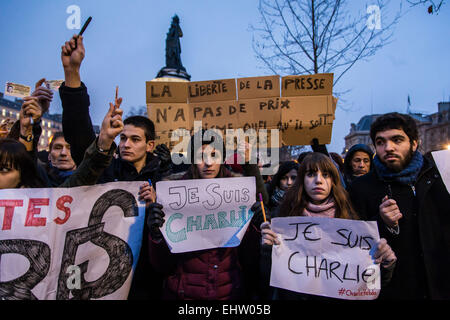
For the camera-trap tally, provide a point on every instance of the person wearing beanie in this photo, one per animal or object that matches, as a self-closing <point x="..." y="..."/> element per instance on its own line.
<point x="357" y="162"/>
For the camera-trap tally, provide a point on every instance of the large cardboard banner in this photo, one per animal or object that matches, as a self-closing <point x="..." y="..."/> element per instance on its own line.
<point x="205" y="213"/>
<point x="326" y="257"/>
<point x="70" y="243"/>
<point x="300" y="107"/>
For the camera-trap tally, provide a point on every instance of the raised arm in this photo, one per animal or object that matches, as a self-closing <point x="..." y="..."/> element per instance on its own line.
<point x="99" y="154"/>
<point x="77" y="124"/>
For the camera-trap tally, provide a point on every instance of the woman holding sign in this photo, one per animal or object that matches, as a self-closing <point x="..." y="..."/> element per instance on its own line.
<point x="317" y="192"/>
<point x="222" y="273"/>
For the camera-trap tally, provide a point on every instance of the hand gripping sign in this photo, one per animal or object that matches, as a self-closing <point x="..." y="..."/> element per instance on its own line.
<point x="205" y="213"/>
<point x="49" y="235"/>
<point x="326" y="256"/>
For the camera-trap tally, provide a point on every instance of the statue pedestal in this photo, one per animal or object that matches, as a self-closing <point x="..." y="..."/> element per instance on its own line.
<point x="173" y="73"/>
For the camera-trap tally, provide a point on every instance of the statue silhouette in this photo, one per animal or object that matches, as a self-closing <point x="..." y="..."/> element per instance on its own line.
<point x="173" y="52"/>
<point x="173" y="46"/>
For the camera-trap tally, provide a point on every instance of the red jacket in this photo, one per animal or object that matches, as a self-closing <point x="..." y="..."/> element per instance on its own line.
<point x="212" y="274"/>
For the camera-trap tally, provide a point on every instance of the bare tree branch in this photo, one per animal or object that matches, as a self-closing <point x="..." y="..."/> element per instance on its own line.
<point x="432" y="6"/>
<point x="312" y="36"/>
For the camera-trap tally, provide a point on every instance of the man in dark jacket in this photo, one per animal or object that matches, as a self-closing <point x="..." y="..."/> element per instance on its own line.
<point x="406" y="195"/>
<point x="60" y="164"/>
<point x="357" y="162"/>
<point x="136" y="160"/>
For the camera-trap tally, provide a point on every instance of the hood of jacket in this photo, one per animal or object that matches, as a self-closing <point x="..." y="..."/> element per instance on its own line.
<point x="348" y="171"/>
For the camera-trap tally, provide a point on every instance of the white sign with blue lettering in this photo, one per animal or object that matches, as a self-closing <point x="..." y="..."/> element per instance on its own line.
<point x="205" y="213"/>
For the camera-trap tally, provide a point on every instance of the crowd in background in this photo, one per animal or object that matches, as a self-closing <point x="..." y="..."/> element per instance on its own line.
<point x="396" y="186"/>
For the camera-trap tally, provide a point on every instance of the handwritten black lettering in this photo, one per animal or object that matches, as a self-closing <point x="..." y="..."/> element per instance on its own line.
<point x="38" y="254"/>
<point x="215" y="88"/>
<point x="305" y="83"/>
<point x="360" y="241"/>
<point x="305" y="231"/>
<point x="289" y="263"/>
<point x="180" y="113"/>
<point x="161" y="114"/>
<point x="314" y="266"/>
<point x="351" y="279"/>
<point x="333" y="266"/>
<point x="119" y="252"/>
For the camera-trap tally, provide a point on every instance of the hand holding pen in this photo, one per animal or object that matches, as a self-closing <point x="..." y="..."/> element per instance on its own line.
<point x="147" y="193"/>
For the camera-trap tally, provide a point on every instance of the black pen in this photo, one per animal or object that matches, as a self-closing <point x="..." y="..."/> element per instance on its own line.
<point x="389" y="191"/>
<point x="82" y="30"/>
<point x="85" y="26"/>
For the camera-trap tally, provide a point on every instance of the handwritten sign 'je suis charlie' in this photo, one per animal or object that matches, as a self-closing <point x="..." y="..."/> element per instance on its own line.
<point x="205" y="213"/>
<point x="326" y="256"/>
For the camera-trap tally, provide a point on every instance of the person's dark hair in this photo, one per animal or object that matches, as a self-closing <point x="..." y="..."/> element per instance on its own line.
<point x="283" y="169"/>
<point x="144" y="123"/>
<point x="395" y="120"/>
<point x="296" y="198"/>
<point x="302" y="156"/>
<point x="13" y="154"/>
<point x="56" y="135"/>
<point x="193" y="171"/>
<point x="338" y="159"/>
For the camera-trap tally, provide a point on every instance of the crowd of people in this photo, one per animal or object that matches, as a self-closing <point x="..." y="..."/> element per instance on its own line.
<point x="396" y="186"/>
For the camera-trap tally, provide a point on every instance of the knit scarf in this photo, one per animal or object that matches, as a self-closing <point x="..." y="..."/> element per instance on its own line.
<point x="407" y="176"/>
<point x="277" y="196"/>
<point x="325" y="209"/>
<point x="61" y="174"/>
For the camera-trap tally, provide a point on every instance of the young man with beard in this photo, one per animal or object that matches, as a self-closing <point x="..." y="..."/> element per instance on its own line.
<point x="406" y="195"/>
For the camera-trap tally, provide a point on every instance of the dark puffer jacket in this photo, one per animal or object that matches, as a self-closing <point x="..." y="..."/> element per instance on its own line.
<point x="213" y="274"/>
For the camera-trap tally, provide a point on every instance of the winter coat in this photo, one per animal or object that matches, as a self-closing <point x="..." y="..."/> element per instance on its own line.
<point x="90" y="169"/>
<point x="213" y="274"/>
<point x="91" y="166"/>
<point x="422" y="246"/>
<point x="79" y="133"/>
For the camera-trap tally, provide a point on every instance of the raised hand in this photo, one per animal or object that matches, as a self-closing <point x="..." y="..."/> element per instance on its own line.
<point x="390" y="212"/>
<point x="31" y="109"/>
<point x="112" y="126"/>
<point x="72" y="56"/>
<point x="147" y="193"/>
<point x="44" y="95"/>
